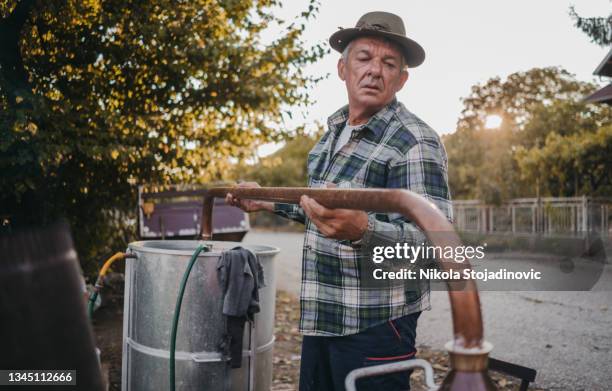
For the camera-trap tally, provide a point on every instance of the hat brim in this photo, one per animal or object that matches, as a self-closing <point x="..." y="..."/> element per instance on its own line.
<point x="412" y="51"/>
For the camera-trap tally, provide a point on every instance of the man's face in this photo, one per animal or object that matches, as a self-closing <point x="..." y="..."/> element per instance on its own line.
<point x="372" y="72"/>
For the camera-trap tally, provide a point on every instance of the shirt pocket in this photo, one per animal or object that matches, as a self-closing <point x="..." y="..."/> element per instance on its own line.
<point x="317" y="158"/>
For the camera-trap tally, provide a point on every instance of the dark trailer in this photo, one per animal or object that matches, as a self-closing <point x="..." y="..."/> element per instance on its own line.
<point x="176" y="213"/>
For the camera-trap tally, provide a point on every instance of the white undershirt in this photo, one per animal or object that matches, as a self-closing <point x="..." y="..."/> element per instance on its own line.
<point x="345" y="136"/>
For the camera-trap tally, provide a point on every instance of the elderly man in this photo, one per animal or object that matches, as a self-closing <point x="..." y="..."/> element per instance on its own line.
<point x="374" y="141"/>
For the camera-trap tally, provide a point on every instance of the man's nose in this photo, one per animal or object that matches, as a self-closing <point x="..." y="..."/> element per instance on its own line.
<point x="375" y="69"/>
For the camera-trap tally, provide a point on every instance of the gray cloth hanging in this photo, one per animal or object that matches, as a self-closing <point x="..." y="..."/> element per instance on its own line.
<point x="240" y="276"/>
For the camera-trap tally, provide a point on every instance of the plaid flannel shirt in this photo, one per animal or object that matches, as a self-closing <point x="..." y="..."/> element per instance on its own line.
<point x="394" y="149"/>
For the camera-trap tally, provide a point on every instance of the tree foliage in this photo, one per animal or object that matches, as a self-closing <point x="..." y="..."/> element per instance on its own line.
<point x="99" y="95"/>
<point x="514" y="98"/>
<point x="483" y="163"/>
<point x="285" y="167"/>
<point x="599" y="29"/>
<point x="570" y="164"/>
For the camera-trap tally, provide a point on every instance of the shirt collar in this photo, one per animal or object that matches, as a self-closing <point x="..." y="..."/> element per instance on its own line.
<point x="376" y="124"/>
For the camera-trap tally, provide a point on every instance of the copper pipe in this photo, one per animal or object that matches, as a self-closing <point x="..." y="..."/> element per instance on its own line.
<point x="464" y="300"/>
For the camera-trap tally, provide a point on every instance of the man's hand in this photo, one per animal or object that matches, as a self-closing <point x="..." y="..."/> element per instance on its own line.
<point x="248" y="205"/>
<point x="335" y="223"/>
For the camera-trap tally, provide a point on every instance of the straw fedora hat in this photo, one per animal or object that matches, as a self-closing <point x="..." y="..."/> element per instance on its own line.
<point x="381" y="24"/>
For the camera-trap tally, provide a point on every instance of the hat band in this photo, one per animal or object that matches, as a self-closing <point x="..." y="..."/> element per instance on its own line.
<point x="375" y="26"/>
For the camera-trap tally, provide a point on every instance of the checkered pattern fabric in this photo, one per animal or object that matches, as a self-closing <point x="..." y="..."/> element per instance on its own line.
<point x="394" y="149"/>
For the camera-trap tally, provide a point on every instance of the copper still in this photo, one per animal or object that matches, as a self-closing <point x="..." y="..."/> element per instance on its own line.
<point x="468" y="351"/>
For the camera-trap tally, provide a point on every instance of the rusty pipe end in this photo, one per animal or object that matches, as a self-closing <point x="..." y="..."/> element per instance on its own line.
<point x="207" y="210"/>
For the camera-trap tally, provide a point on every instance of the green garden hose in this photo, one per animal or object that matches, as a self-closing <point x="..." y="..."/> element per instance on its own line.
<point x="177" y="311"/>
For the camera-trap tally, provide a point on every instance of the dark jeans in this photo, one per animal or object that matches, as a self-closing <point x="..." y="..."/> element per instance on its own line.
<point x="327" y="360"/>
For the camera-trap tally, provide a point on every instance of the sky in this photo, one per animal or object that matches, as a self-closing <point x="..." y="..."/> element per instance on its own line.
<point x="466" y="43"/>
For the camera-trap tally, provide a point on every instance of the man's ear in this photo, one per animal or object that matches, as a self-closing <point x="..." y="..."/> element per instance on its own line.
<point x="341" y="69"/>
<point x="403" y="79"/>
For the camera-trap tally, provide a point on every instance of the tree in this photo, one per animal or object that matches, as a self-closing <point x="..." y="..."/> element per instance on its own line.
<point x="481" y="160"/>
<point x="565" y="118"/>
<point x="285" y="167"/>
<point x="565" y="151"/>
<point x="572" y="165"/>
<point x="513" y="99"/>
<point x="599" y="29"/>
<point x="99" y="95"/>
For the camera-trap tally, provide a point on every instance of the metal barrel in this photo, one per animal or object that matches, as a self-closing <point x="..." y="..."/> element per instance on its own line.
<point x="151" y="287"/>
<point x="43" y="325"/>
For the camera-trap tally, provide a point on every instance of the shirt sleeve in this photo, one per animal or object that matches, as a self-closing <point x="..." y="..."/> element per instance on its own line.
<point x="423" y="170"/>
<point x="290" y="211"/>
